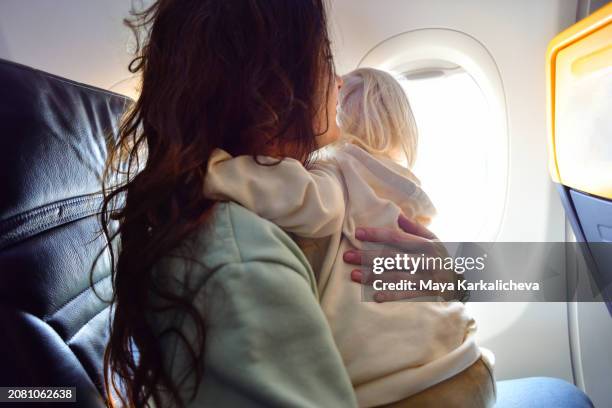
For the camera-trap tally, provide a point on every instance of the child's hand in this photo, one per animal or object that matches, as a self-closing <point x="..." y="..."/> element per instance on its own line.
<point x="412" y="239"/>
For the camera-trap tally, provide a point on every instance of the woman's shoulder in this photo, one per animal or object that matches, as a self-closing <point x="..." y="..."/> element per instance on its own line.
<point x="267" y="340"/>
<point x="235" y="236"/>
<point x="243" y="236"/>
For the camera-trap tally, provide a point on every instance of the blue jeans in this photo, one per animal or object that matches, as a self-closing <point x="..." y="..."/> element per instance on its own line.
<point x="540" y="392"/>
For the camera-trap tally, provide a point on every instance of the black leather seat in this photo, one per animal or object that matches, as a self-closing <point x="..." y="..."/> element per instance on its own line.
<point x="53" y="138"/>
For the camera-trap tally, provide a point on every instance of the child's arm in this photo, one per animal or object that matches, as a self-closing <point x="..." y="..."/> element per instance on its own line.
<point x="307" y="203"/>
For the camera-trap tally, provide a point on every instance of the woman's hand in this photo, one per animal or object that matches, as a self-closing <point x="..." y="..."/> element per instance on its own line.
<point x="413" y="239"/>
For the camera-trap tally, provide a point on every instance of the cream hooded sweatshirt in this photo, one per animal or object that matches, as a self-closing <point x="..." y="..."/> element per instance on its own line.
<point x="391" y="350"/>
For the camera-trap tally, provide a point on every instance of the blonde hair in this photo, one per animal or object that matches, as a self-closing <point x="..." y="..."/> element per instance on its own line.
<point x="375" y="114"/>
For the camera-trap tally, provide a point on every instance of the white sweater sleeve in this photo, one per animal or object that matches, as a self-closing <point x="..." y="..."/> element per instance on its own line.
<point x="309" y="203"/>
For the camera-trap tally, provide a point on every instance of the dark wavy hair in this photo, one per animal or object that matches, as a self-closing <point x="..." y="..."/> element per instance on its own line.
<point x="249" y="76"/>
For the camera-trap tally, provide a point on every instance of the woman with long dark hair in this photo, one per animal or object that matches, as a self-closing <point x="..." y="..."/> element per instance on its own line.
<point x="212" y="304"/>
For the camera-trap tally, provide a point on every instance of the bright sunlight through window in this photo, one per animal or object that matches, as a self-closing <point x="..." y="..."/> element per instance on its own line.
<point x="453" y="119"/>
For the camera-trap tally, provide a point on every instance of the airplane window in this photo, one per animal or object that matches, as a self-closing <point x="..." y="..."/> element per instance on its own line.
<point x="457" y="95"/>
<point x="453" y="119"/>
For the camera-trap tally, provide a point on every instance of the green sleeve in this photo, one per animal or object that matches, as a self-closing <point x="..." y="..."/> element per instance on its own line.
<point x="267" y="342"/>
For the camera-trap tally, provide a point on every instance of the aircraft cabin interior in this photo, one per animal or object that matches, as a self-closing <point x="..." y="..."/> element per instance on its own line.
<point x="512" y="104"/>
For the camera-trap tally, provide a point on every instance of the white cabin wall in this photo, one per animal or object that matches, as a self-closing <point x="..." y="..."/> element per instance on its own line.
<point x="83" y="40"/>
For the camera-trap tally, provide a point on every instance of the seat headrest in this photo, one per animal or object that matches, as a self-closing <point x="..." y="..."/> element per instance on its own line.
<point x="52" y="146"/>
